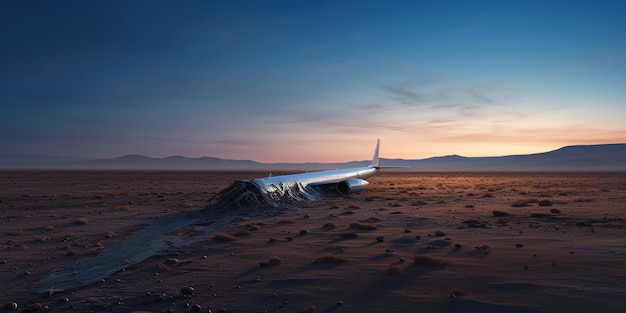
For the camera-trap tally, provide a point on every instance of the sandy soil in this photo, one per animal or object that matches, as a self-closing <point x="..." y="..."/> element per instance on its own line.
<point x="411" y="242"/>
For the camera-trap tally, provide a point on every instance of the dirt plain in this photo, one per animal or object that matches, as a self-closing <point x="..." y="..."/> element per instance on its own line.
<point x="411" y="242"/>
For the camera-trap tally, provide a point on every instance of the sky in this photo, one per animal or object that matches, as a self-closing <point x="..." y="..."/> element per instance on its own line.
<point x="310" y="81"/>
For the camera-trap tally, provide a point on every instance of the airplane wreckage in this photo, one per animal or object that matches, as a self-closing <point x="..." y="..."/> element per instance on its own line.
<point x="246" y="197"/>
<point x="295" y="189"/>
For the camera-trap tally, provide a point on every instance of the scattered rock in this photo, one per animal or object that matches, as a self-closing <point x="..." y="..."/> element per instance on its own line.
<point x="224" y="238"/>
<point x="161" y="297"/>
<point x="439" y="233"/>
<point x="196" y="307"/>
<point x="380" y="238"/>
<point x="63" y="300"/>
<point x="555" y="211"/>
<point x="469" y="206"/>
<point x="428" y="261"/>
<point x="329" y="226"/>
<point x="483" y="248"/>
<point x="304" y="232"/>
<point x="545" y="203"/>
<point x="497" y="213"/>
<point x="473" y="224"/>
<point x="519" y="245"/>
<point x="187" y="292"/>
<point x="273" y="261"/>
<point x="539" y="215"/>
<point x="47" y="294"/>
<point x="10" y="306"/>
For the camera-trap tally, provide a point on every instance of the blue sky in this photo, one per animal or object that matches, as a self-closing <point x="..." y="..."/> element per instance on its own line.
<point x="293" y="81"/>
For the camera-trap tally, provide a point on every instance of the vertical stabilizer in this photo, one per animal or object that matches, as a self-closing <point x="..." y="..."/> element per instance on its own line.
<point x="375" y="156"/>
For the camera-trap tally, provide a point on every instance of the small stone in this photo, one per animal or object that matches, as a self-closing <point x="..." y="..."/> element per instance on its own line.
<point x="380" y="238"/>
<point x="187" y="292"/>
<point x="63" y="300"/>
<point x="196" y="307"/>
<point x="499" y="213"/>
<point x="273" y="261"/>
<point x="171" y="261"/>
<point x="304" y="232"/>
<point x="555" y="211"/>
<point x="406" y="231"/>
<point x="47" y="294"/>
<point x="439" y="233"/>
<point x="339" y="303"/>
<point x="10" y="306"/>
<point x="545" y="203"/>
<point x="519" y="245"/>
<point x="526" y="268"/>
<point x="389" y="250"/>
<point x="457" y="245"/>
<point x="306" y="216"/>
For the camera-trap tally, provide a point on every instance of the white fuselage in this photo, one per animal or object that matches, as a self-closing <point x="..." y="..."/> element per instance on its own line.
<point x="322" y="177"/>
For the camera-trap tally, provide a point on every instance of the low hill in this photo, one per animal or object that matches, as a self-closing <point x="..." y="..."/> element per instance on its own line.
<point x="605" y="157"/>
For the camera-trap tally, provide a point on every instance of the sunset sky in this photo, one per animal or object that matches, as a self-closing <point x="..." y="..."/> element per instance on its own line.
<point x="295" y="81"/>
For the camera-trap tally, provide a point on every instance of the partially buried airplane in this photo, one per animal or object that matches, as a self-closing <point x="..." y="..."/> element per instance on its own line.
<point x="295" y="189"/>
<point x="237" y="201"/>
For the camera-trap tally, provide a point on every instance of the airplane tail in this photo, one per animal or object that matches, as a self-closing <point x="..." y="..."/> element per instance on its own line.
<point x="375" y="156"/>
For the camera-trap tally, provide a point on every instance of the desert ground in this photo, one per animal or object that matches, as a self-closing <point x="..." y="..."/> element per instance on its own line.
<point x="411" y="242"/>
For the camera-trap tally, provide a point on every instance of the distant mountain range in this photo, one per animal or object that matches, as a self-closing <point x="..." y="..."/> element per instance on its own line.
<point x="605" y="157"/>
